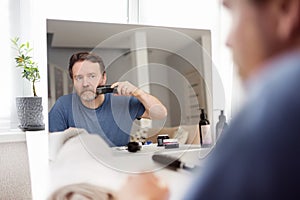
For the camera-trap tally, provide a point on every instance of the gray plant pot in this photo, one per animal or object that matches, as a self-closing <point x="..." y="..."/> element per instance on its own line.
<point x="30" y="113"/>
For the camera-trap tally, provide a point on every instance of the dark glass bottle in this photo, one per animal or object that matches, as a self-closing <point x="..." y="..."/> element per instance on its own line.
<point x="204" y="130"/>
<point x="221" y="125"/>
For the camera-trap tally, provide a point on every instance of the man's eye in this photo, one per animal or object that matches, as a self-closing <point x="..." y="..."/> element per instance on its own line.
<point x="92" y="76"/>
<point x="78" y="78"/>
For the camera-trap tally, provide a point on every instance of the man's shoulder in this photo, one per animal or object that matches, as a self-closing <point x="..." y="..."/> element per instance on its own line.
<point x="286" y="74"/>
<point x="65" y="98"/>
<point x="274" y="97"/>
<point x="280" y="78"/>
<point x="62" y="104"/>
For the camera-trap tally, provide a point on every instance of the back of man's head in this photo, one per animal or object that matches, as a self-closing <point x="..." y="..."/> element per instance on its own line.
<point x="261" y="30"/>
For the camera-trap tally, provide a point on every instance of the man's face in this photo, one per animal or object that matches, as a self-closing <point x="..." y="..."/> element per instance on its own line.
<point x="87" y="76"/>
<point x="250" y="39"/>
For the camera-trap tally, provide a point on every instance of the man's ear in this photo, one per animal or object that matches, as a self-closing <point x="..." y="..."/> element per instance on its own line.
<point x="103" y="82"/>
<point x="289" y="18"/>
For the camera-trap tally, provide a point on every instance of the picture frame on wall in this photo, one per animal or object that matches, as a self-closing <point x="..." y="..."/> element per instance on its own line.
<point x="59" y="83"/>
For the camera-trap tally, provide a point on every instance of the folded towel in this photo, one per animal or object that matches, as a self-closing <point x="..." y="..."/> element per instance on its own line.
<point x="57" y="140"/>
<point x="82" y="191"/>
<point x="84" y="158"/>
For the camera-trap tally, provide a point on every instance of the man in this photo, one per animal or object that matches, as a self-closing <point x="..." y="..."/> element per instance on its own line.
<point x="109" y="115"/>
<point x="258" y="156"/>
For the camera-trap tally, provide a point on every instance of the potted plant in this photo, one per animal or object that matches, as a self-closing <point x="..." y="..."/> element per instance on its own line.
<point x="29" y="109"/>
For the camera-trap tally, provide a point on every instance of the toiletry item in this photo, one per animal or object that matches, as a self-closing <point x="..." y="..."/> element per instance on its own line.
<point x="133" y="147"/>
<point x="204" y="130"/>
<point x="161" y="138"/>
<point x="171" y="143"/>
<point x="221" y="125"/>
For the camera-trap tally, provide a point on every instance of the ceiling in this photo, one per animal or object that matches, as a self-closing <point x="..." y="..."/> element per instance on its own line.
<point x="79" y="34"/>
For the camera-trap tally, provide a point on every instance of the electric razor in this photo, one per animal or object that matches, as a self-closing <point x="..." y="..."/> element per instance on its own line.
<point x="103" y="89"/>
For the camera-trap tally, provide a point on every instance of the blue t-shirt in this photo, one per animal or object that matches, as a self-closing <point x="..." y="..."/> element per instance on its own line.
<point x="112" y="120"/>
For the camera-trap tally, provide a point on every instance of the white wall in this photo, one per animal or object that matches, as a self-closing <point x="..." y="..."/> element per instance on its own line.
<point x="88" y="10"/>
<point x="6" y="53"/>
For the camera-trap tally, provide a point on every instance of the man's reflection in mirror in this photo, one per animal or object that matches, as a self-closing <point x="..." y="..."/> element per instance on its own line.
<point x="109" y="115"/>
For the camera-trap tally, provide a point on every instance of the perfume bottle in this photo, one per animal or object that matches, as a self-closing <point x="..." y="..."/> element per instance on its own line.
<point x="221" y="125"/>
<point x="204" y="130"/>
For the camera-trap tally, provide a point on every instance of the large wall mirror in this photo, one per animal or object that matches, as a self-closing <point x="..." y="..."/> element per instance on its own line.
<point x="173" y="64"/>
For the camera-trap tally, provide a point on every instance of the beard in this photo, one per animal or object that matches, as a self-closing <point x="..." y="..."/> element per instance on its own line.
<point x="87" y="95"/>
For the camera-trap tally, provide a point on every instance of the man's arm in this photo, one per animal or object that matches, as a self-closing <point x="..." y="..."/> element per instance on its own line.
<point x="154" y="109"/>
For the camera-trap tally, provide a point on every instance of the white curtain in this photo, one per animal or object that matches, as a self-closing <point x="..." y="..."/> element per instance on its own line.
<point x="9" y="79"/>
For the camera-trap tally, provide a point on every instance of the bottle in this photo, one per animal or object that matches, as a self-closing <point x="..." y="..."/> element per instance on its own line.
<point x="204" y="130"/>
<point x="221" y="125"/>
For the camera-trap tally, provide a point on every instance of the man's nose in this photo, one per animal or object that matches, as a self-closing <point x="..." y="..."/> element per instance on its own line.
<point x="85" y="81"/>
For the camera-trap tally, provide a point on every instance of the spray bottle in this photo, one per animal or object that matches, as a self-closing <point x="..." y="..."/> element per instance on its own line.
<point x="221" y="125"/>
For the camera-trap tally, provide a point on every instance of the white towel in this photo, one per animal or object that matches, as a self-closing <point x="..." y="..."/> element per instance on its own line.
<point x="80" y="158"/>
<point x="57" y="139"/>
<point x="82" y="191"/>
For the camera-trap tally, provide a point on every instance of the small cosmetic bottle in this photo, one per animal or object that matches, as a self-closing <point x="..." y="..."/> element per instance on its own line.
<point x="204" y="130"/>
<point x="221" y="125"/>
